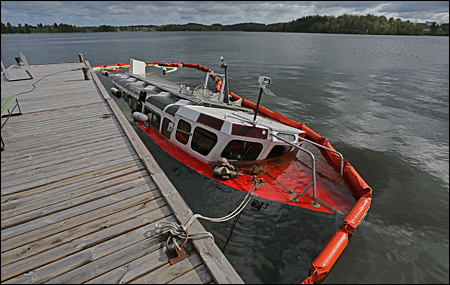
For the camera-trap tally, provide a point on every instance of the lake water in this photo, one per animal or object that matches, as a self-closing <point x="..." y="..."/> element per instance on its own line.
<point x="382" y="101"/>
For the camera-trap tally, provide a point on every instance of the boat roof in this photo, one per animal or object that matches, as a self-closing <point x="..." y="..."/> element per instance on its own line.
<point x="227" y="113"/>
<point x="193" y="112"/>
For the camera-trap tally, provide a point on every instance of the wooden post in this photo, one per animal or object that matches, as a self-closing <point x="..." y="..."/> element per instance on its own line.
<point x="87" y="74"/>
<point x="81" y="57"/>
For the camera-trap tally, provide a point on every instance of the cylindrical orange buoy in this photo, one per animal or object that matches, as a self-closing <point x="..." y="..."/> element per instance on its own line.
<point x="357" y="213"/>
<point x="328" y="256"/>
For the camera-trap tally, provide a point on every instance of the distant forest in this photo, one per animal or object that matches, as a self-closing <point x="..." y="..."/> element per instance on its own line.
<point x="345" y="24"/>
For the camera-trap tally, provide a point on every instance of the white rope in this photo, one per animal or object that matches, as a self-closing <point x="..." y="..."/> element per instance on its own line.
<point x="178" y="230"/>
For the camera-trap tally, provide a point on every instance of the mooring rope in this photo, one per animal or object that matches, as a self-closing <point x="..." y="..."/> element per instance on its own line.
<point x="180" y="230"/>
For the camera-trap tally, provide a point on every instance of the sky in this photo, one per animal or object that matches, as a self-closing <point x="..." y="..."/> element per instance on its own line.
<point x="127" y="13"/>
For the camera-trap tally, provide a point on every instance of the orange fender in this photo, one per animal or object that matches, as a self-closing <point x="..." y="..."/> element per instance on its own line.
<point x="151" y="63"/>
<point x="308" y="280"/>
<point x="357" y="213"/>
<point x="328" y="256"/>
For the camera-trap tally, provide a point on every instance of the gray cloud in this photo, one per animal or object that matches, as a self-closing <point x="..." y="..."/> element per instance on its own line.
<point x="118" y="13"/>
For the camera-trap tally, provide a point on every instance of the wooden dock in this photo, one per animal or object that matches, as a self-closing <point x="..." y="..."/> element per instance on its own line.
<point x="81" y="194"/>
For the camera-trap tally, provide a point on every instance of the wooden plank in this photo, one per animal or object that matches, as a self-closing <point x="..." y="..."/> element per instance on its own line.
<point x="38" y="118"/>
<point x="55" y="104"/>
<point x="52" y="198"/>
<point x="107" y="124"/>
<point x="168" y="272"/>
<point x="61" y="140"/>
<point x="143" y="255"/>
<point x="44" y="88"/>
<point x="81" y="156"/>
<point x="46" y="210"/>
<point x="65" y="93"/>
<point x="69" y="184"/>
<point x="47" y="122"/>
<point x="84" y="251"/>
<point x="199" y="275"/>
<point x="42" y="179"/>
<point x="10" y="232"/>
<point x="68" y="223"/>
<point x="35" y="201"/>
<point x="49" y="177"/>
<point x="133" y="269"/>
<point x="58" y="124"/>
<point x="60" y="144"/>
<point x="115" y="147"/>
<point x="43" y="75"/>
<point x="50" y="158"/>
<point x="38" y="246"/>
<point x="38" y="125"/>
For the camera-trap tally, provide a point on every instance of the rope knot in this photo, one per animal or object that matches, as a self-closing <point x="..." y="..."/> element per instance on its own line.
<point x="180" y="231"/>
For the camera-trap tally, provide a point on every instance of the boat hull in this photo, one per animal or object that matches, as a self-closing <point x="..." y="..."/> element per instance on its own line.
<point x="285" y="178"/>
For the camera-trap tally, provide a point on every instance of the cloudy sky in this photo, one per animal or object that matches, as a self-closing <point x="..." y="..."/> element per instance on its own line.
<point x="124" y="13"/>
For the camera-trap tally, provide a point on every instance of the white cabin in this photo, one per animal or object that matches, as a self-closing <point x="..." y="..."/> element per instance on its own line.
<point x="205" y="129"/>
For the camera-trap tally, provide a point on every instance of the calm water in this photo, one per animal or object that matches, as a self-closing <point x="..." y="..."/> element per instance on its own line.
<point x="382" y="101"/>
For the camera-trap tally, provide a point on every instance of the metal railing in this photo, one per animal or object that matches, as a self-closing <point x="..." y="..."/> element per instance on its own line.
<point x="313" y="183"/>
<point x="319" y="145"/>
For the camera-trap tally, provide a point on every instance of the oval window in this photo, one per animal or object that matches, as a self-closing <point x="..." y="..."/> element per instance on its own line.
<point x="203" y="141"/>
<point x="183" y="131"/>
<point x="242" y="150"/>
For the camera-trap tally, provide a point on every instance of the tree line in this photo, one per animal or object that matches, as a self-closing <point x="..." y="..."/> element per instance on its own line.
<point x="344" y="24"/>
<point x="55" y="28"/>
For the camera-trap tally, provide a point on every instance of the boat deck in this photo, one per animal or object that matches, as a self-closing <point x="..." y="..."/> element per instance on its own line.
<point x="80" y="193"/>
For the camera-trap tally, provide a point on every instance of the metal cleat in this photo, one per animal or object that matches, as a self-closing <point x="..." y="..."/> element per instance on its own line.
<point x="176" y="253"/>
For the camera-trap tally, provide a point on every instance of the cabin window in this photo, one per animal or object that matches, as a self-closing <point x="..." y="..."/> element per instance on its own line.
<point x="167" y="128"/>
<point x="288" y="137"/>
<point x="203" y="141"/>
<point x="142" y="96"/>
<point x="155" y="121"/>
<point x="183" y="131"/>
<point x="125" y="95"/>
<point x="247" y="131"/>
<point x="133" y="104"/>
<point x="279" y="150"/>
<point x="153" y="118"/>
<point x="172" y="109"/>
<point x="146" y="110"/>
<point x="242" y="150"/>
<point x="210" y="121"/>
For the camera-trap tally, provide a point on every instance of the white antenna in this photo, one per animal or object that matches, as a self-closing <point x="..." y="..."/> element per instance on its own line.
<point x="263" y="82"/>
<point x="224" y="66"/>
